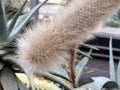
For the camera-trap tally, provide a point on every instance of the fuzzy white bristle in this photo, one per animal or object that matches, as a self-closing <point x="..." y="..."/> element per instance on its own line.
<point x="46" y="47"/>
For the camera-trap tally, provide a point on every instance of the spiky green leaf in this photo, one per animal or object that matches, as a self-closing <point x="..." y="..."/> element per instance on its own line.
<point x="61" y="81"/>
<point x="30" y="76"/>
<point x="21" y="86"/>
<point x="3" y="24"/>
<point x="101" y="81"/>
<point x="80" y="66"/>
<point x="8" y="79"/>
<point x="24" y="20"/>
<point x="14" y="19"/>
<point x="111" y="62"/>
<point x="110" y="85"/>
<point x="60" y="72"/>
<point x="90" y="46"/>
<point x="82" y="53"/>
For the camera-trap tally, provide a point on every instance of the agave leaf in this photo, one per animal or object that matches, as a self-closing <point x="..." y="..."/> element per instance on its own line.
<point x="103" y="82"/>
<point x="14" y="19"/>
<point x="81" y="52"/>
<point x="9" y="22"/>
<point x="90" y="46"/>
<point x="111" y="62"/>
<point x="19" y="20"/>
<point x="80" y="66"/>
<point x="30" y="77"/>
<point x="97" y="86"/>
<point x="118" y="74"/>
<point x="8" y="79"/>
<point x="60" y="72"/>
<point x="21" y="86"/>
<point x="24" y="20"/>
<point x="61" y="76"/>
<point x="3" y="24"/>
<point x="61" y="81"/>
<point x="110" y="85"/>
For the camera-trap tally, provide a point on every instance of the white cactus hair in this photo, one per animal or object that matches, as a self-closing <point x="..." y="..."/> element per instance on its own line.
<point x="36" y="44"/>
<point x="45" y="47"/>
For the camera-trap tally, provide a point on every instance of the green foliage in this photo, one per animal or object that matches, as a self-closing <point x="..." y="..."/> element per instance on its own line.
<point x="23" y="20"/>
<point x="14" y="19"/>
<point x="114" y="81"/>
<point x="80" y="67"/>
<point x="114" y="75"/>
<point x="104" y="83"/>
<point x="61" y="75"/>
<point x="9" y="29"/>
<point x="111" y="62"/>
<point x="116" y="20"/>
<point x="101" y="83"/>
<point x="3" y="24"/>
<point x="118" y="15"/>
<point x="8" y="78"/>
<point x="114" y="23"/>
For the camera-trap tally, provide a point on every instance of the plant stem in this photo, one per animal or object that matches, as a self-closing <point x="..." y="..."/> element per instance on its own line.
<point x="72" y="67"/>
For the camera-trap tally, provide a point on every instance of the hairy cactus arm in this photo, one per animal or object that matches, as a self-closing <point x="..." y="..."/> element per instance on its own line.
<point x="85" y="15"/>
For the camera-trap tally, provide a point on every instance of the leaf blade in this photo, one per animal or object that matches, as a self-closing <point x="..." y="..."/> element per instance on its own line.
<point x="60" y="72"/>
<point x="110" y="85"/>
<point x="90" y="46"/>
<point x="55" y="79"/>
<point x="80" y="66"/>
<point x="21" y="86"/>
<point x="16" y="16"/>
<point x="104" y="82"/>
<point x="111" y="62"/>
<point x="25" y="19"/>
<point x="82" y="53"/>
<point x="3" y="23"/>
<point x="8" y="79"/>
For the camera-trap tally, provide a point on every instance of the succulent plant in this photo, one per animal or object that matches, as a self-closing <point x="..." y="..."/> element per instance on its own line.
<point x="105" y="83"/>
<point x="9" y="30"/>
<point x="61" y="75"/>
